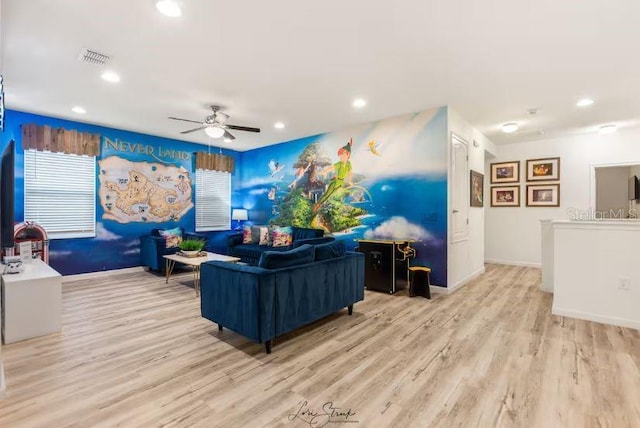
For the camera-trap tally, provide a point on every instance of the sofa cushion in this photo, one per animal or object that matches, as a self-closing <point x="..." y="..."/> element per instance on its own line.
<point x="330" y="250"/>
<point x="305" y="233"/>
<point x="298" y="256"/>
<point x="246" y="235"/>
<point x="282" y="236"/>
<point x="172" y="237"/>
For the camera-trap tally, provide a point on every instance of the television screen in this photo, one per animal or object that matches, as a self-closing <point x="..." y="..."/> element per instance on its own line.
<point x="6" y="197"/>
<point x="634" y="190"/>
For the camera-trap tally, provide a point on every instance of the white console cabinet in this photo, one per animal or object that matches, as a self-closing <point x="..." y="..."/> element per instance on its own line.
<point x="31" y="302"/>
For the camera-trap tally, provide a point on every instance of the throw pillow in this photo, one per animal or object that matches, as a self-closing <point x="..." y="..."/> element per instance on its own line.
<point x="330" y="250"/>
<point x="172" y="237"/>
<point x="258" y="235"/>
<point x="282" y="259"/>
<point x="246" y="235"/>
<point x="282" y="236"/>
<point x="264" y="236"/>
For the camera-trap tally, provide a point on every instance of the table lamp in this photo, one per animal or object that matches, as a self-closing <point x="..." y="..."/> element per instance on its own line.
<point x="239" y="215"/>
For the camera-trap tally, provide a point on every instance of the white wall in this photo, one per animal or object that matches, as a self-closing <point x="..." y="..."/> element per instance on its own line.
<point x="466" y="258"/>
<point x="513" y="234"/>
<point x="608" y="291"/>
<point x="612" y="196"/>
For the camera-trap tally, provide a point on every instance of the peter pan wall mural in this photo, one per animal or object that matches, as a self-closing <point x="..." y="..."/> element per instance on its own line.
<point x="386" y="179"/>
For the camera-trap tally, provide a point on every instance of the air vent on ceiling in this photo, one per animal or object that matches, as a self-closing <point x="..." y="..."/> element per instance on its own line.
<point x="532" y="133"/>
<point x="92" y="57"/>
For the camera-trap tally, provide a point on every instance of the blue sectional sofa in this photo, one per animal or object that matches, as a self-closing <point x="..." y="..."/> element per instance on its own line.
<point x="250" y="253"/>
<point x="284" y="292"/>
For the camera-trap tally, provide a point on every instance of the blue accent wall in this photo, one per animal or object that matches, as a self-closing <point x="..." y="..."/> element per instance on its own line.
<point x="398" y="187"/>
<point x="116" y="244"/>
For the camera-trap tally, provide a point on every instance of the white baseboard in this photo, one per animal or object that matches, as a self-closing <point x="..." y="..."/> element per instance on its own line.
<point x="512" y="263"/>
<point x="102" y="273"/>
<point x="465" y="280"/>
<point x="620" y="322"/>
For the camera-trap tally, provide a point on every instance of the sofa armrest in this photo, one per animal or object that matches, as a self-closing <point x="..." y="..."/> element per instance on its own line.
<point x="152" y="248"/>
<point x="233" y="239"/>
<point x="239" y="297"/>
<point x="313" y="241"/>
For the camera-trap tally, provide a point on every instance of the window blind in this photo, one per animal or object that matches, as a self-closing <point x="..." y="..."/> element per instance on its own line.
<point x="213" y="200"/>
<point x="60" y="193"/>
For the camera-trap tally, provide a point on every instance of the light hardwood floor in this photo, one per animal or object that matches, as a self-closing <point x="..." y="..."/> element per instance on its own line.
<point x="134" y="351"/>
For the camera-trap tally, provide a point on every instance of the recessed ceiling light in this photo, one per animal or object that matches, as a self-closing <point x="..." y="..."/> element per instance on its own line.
<point x="585" y="102"/>
<point x="227" y="140"/>
<point x="279" y="125"/>
<point x="110" y="77"/>
<point x="607" y="129"/>
<point x="79" y="110"/>
<point x="359" y="103"/>
<point x="169" y="8"/>
<point x="510" y="127"/>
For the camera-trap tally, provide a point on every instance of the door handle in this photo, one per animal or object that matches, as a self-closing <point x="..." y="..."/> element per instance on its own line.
<point x="455" y="211"/>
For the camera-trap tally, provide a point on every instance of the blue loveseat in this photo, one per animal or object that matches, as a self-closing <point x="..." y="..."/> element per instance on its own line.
<point x="250" y="253"/>
<point x="286" y="291"/>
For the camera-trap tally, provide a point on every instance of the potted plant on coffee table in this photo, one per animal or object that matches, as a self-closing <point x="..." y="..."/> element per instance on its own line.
<point x="191" y="247"/>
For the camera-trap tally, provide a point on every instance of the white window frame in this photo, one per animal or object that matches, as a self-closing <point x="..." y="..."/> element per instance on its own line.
<point x="213" y="200"/>
<point x="50" y="197"/>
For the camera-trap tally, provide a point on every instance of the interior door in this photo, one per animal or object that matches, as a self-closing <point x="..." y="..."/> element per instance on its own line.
<point x="459" y="197"/>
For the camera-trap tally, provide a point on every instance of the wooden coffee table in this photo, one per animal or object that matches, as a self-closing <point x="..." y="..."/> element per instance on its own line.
<point x="195" y="263"/>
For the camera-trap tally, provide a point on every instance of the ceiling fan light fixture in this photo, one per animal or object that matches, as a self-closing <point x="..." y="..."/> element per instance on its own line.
<point x="214" y="131"/>
<point x="169" y="8"/>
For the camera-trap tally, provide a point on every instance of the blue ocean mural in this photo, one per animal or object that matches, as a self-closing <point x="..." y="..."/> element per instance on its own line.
<point x="385" y="179"/>
<point x="127" y="159"/>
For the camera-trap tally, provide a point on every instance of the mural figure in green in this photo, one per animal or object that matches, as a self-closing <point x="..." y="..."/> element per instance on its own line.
<point x="342" y="170"/>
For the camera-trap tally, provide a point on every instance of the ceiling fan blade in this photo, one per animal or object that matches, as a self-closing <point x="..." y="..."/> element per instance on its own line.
<point x="229" y="136"/>
<point x="193" y="130"/>
<point x="242" y="128"/>
<point x="185" y="120"/>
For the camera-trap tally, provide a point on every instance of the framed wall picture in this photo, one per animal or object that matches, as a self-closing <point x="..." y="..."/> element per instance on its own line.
<point x="476" y="190"/>
<point x="505" y="196"/>
<point x="505" y="172"/>
<point x="543" y="195"/>
<point x="543" y="169"/>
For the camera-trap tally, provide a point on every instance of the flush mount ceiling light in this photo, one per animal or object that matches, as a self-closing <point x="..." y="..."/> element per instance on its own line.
<point x="607" y="129"/>
<point x="279" y="125"/>
<point x="359" y="103"/>
<point x="510" y="127"/>
<point x="214" y="131"/>
<point x="169" y="8"/>
<point x="79" y="110"/>
<point x="110" y="77"/>
<point x="585" y="102"/>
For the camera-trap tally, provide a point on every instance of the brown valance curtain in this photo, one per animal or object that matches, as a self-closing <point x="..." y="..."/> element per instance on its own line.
<point x="214" y="162"/>
<point x="41" y="138"/>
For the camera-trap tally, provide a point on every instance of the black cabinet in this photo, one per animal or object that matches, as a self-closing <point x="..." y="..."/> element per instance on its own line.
<point x="386" y="266"/>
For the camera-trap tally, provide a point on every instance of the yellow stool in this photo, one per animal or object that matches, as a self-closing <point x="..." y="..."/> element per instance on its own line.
<point x="419" y="283"/>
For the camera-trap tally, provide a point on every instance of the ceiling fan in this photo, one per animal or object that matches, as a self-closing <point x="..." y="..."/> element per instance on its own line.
<point x="215" y="125"/>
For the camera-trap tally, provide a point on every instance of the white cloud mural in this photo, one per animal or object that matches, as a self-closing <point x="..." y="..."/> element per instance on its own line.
<point x="398" y="228"/>
<point x="102" y="234"/>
